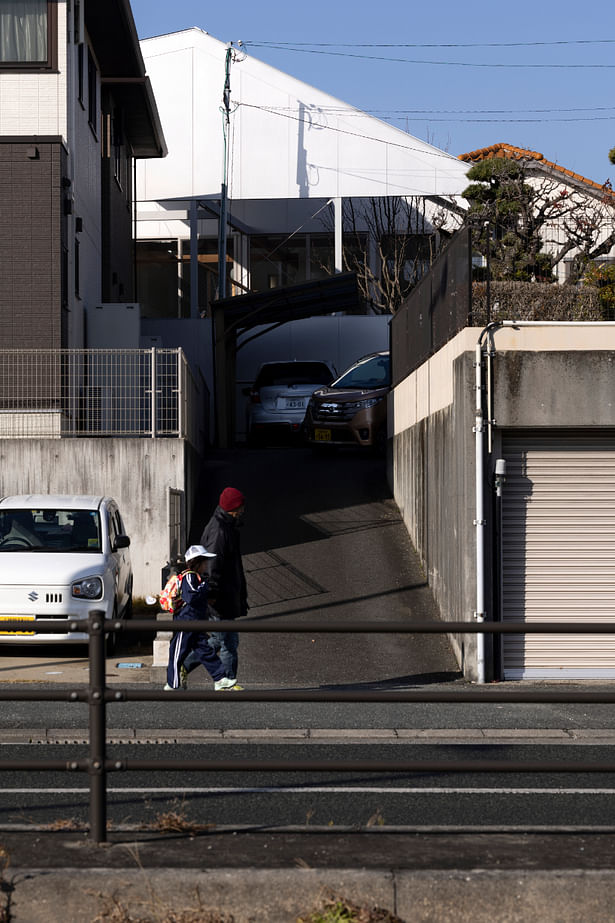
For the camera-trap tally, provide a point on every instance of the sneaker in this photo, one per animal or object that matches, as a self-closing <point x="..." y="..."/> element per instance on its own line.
<point x="225" y="683"/>
<point x="183" y="677"/>
<point x="168" y="688"/>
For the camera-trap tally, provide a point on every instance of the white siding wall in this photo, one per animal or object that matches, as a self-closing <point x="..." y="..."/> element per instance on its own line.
<point x="312" y="145"/>
<point x="36" y="104"/>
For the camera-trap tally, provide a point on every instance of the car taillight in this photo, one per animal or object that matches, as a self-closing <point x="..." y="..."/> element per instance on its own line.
<point x="255" y="397"/>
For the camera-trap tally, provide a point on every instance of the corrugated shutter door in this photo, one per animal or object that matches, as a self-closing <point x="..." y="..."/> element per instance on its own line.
<point x="558" y="553"/>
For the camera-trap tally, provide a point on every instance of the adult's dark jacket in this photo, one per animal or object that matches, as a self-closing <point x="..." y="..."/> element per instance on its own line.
<point x="227" y="582"/>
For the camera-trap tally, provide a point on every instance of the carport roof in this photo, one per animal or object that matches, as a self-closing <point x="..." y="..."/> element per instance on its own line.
<point x="294" y="302"/>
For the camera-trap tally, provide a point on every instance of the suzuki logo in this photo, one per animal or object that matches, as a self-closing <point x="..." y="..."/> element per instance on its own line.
<point x="32" y="596"/>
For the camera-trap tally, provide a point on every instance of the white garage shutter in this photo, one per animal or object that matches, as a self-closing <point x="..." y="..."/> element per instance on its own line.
<point x="558" y="553"/>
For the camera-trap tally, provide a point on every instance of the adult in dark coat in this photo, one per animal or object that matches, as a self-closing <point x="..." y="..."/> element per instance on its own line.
<point x="228" y="595"/>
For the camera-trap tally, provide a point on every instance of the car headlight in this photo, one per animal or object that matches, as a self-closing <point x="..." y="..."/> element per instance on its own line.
<point x="363" y="405"/>
<point x="88" y="588"/>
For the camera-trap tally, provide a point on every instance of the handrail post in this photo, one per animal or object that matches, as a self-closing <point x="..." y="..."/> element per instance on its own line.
<point x="180" y="396"/>
<point x="97" y="760"/>
<point x="153" y="381"/>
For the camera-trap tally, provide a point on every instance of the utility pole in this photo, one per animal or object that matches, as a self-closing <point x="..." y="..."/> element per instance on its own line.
<point x="226" y="110"/>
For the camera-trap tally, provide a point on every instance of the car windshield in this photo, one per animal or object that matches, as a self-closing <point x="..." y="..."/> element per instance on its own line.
<point x="373" y="372"/>
<point x="49" y="530"/>
<point x="293" y="373"/>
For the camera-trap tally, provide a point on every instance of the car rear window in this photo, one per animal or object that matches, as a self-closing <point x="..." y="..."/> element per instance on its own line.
<point x="49" y="530"/>
<point x="374" y="372"/>
<point x="293" y="373"/>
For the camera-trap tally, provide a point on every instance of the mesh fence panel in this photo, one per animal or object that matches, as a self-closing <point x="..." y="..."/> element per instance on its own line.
<point x="97" y="392"/>
<point x="438" y="308"/>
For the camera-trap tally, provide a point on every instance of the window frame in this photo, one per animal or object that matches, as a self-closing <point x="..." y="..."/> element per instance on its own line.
<point x="51" y="64"/>
<point x="93" y="96"/>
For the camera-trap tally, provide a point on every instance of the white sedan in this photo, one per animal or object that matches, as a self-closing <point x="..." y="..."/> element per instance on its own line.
<point x="280" y="395"/>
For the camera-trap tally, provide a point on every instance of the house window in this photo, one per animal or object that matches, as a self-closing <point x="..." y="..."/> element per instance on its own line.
<point x="64" y="277"/>
<point x="117" y="141"/>
<point x="80" y="70"/>
<point x="92" y="94"/>
<point x="28" y="34"/>
<point x="77" y="269"/>
<point x="77" y="22"/>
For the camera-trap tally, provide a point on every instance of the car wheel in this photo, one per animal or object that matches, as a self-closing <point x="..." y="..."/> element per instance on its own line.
<point x="380" y="442"/>
<point x="111" y="637"/>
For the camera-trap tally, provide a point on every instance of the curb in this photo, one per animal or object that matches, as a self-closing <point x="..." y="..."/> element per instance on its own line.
<point x="284" y="895"/>
<point x="339" y="736"/>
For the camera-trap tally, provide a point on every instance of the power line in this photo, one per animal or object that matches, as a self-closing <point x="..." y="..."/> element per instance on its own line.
<point x="354" y="134"/>
<point x="589" y="41"/>
<point x="287" y="111"/>
<point x="359" y="112"/>
<point x="499" y="65"/>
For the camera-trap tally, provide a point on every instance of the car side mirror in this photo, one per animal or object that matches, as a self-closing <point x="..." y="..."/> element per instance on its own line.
<point x="121" y="541"/>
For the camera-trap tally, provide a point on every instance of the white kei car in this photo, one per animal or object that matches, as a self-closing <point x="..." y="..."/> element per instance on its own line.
<point x="60" y="558"/>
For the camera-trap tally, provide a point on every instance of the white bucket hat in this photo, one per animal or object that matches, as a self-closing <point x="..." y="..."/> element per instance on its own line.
<point x="197" y="551"/>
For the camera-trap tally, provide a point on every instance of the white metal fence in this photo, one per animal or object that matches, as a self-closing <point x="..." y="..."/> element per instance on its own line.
<point x="58" y="393"/>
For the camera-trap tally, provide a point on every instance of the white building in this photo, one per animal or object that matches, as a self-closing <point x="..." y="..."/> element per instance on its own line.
<point x="288" y="154"/>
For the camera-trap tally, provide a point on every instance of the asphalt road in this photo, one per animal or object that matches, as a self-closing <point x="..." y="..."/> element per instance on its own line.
<point x="323" y="538"/>
<point x="226" y="796"/>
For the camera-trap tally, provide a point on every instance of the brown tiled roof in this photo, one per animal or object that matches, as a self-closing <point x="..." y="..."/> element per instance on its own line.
<point x="510" y="152"/>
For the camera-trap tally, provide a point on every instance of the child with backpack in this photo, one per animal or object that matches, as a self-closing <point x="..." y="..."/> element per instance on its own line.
<point x="185" y="595"/>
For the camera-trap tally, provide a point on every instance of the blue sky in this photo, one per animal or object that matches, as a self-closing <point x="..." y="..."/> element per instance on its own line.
<point x="539" y="75"/>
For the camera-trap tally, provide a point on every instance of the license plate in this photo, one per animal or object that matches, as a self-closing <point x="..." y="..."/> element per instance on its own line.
<point x="322" y="435"/>
<point x="17" y="618"/>
<point x="295" y="403"/>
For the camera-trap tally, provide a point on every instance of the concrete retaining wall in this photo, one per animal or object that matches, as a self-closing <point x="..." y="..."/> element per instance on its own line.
<point x="550" y="377"/>
<point x="136" y="472"/>
<point x="433" y="485"/>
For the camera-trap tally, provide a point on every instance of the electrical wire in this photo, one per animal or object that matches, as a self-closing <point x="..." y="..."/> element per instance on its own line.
<point x="422" y="114"/>
<point x="359" y="112"/>
<point x="354" y="134"/>
<point x="499" y="64"/>
<point x="587" y="41"/>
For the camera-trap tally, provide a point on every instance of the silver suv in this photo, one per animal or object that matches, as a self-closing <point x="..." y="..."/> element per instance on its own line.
<point x="352" y="410"/>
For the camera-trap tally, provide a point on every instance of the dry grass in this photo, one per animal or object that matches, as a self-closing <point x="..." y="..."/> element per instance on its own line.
<point x="6" y="888"/>
<point x="340" y="910"/>
<point x="116" y="912"/>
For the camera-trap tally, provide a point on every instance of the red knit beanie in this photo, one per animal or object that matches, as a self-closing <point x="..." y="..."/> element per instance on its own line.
<point x="231" y="499"/>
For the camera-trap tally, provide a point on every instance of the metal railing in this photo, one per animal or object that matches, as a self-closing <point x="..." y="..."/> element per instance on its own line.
<point x="58" y="393"/>
<point x="97" y="695"/>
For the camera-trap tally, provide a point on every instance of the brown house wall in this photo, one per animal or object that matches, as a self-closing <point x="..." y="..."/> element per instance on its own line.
<point x="32" y="232"/>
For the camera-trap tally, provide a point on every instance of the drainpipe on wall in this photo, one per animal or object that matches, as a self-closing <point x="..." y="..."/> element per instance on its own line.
<point x="480" y="522"/>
